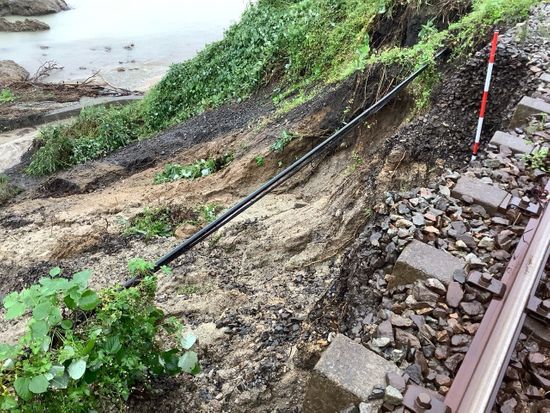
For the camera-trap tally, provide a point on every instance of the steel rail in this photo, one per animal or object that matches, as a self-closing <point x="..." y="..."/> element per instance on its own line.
<point x="477" y="382"/>
<point x="281" y="177"/>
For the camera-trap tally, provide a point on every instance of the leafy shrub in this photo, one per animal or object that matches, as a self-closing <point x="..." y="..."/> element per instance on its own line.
<point x="84" y="350"/>
<point x="260" y="160"/>
<point x="151" y="223"/>
<point x="6" y="96"/>
<point x="174" y="172"/>
<point x="208" y="212"/>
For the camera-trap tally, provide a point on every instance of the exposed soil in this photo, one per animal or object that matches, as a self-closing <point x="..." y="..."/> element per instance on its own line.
<point x="262" y="284"/>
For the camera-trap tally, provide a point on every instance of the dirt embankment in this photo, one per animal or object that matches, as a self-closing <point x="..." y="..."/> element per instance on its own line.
<point x="250" y="291"/>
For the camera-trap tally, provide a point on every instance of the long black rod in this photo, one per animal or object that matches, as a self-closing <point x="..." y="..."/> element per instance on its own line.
<point x="278" y="179"/>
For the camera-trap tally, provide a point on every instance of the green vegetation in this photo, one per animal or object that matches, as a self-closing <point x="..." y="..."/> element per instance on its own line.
<point x="260" y="160"/>
<point x="296" y="45"/>
<point x="208" y="213"/>
<point x="85" y="350"/>
<point x="151" y="223"/>
<point x="539" y="159"/>
<point x="7" y="190"/>
<point x="6" y="96"/>
<point x="175" y="172"/>
<point x="282" y="142"/>
<point x="356" y="162"/>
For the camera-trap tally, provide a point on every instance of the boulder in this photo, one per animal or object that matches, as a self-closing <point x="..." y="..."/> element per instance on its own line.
<point x="27" y="25"/>
<point x="11" y="72"/>
<point x="31" y="7"/>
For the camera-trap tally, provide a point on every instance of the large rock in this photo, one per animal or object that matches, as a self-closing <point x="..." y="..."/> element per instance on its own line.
<point x="420" y="261"/>
<point x="345" y="375"/>
<point x="527" y="107"/>
<point x="488" y="196"/>
<point x="11" y="72"/>
<point x="27" y="25"/>
<point x="31" y="7"/>
<point x="515" y="143"/>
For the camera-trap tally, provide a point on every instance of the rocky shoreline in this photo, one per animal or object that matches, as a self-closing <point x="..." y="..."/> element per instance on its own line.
<point x="28" y="8"/>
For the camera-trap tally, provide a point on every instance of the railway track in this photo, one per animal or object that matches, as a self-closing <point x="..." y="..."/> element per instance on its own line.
<point x="480" y="376"/>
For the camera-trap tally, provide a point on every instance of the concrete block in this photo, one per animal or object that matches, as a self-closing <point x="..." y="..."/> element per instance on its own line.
<point x="527" y="107"/>
<point x="545" y="77"/>
<point x="488" y="196"/>
<point x="345" y="375"/>
<point x="419" y="261"/>
<point x="516" y="144"/>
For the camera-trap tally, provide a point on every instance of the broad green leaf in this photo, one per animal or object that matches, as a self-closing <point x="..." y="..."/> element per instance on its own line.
<point x="55" y="316"/>
<point x="7" y="351"/>
<point x="66" y="353"/>
<point x="89" y="347"/>
<point x="42" y="310"/>
<point x="57" y="371"/>
<point x="82" y="277"/>
<point x="21" y="385"/>
<point x="70" y="302"/>
<point x="112" y="345"/>
<point x="66" y="324"/>
<point x="188" y="362"/>
<point x="11" y="299"/>
<point x="39" y="329"/>
<point x="54" y="272"/>
<point x="188" y="340"/>
<point x="46" y="344"/>
<point x="39" y="384"/>
<point x="60" y="382"/>
<point x="16" y="310"/>
<point x="77" y="369"/>
<point x="89" y="300"/>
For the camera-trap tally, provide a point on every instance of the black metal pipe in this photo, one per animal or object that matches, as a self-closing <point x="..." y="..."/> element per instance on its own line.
<point x="278" y="179"/>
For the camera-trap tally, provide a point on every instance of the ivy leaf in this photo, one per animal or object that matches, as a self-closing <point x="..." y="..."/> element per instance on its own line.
<point x="21" y="385"/>
<point x="16" y="310"/>
<point x="55" y="271"/>
<point x="187" y="341"/>
<point x="89" y="300"/>
<point x="77" y="369"/>
<point x="188" y="362"/>
<point x="42" y="310"/>
<point x="39" y="384"/>
<point x="112" y="345"/>
<point x="57" y="371"/>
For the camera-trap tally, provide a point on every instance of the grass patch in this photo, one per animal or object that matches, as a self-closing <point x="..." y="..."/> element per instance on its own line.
<point x="7" y="190"/>
<point x="296" y="45"/>
<point x="174" y="172"/>
<point x="195" y="288"/>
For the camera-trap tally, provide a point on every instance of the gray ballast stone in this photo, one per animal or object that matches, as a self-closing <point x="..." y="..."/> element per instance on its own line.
<point x="526" y="107"/>
<point x="487" y="195"/>
<point x="346" y="374"/>
<point x="420" y="261"/>
<point x="545" y="77"/>
<point x="516" y="144"/>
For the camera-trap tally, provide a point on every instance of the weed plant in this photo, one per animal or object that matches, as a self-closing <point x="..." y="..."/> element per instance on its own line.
<point x="84" y="350"/>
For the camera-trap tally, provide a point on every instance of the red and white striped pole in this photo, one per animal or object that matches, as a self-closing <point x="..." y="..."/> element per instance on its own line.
<point x="475" y="148"/>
